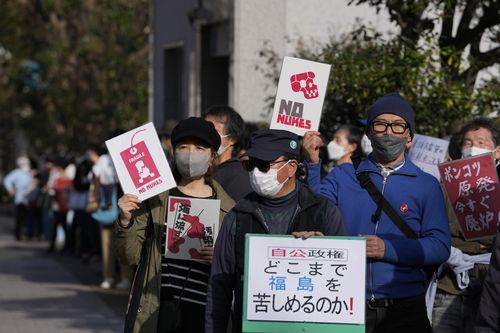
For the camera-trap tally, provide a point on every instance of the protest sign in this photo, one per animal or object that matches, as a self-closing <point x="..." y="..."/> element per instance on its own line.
<point x="140" y="162"/>
<point x="191" y="224"/>
<point x="427" y="152"/>
<point x="300" y="95"/>
<point x="472" y="187"/>
<point x="297" y="285"/>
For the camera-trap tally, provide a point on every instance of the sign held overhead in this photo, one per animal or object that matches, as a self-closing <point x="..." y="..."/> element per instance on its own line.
<point x="300" y="96"/>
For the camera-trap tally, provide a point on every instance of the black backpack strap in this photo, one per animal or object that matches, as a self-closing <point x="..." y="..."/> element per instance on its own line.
<point x="383" y="204"/>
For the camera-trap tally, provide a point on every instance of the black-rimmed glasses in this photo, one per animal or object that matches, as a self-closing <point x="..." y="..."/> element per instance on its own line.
<point x="379" y="126"/>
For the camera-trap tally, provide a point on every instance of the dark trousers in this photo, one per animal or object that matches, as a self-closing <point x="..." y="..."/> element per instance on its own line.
<point x="20" y="220"/>
<point x="90" y="235"/>
<point x="181" y="317"/>
<point x="405" y="315"/>
<point x="59" y="219"/>
<point x="34" y="222"/>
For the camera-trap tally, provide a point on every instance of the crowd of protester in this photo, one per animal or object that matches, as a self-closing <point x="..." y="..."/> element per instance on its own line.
<point x="60" y="201"/>
<point x="253" y="169"/>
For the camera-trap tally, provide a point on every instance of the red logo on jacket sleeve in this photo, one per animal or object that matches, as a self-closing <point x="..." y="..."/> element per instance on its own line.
<point x="403" y="208"/>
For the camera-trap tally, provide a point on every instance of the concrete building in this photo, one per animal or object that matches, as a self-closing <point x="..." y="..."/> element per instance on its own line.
<point x="207" y="52"/>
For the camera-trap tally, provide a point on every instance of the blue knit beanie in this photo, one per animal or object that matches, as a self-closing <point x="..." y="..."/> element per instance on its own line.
<point x="392" y="103"/>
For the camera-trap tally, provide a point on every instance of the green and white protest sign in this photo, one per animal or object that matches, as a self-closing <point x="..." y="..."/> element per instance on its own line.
<point x="296" y="285"/>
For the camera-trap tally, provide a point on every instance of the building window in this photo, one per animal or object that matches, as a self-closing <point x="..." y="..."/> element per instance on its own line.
<point x="172" y="82"/>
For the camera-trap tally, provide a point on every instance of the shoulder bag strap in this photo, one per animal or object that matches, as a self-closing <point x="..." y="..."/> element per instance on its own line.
<point x="140" y="275"/>
<point x="383" y="204"/>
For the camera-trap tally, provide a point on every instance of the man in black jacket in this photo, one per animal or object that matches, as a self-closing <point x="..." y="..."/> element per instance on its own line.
<point x="229" y="172"/>
<point x="279" y="205"/>
<point x="488" y="315"/>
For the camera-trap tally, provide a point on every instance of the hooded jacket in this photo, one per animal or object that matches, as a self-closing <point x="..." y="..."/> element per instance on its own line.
<point x="144" y="300"/>
<point x="417" y="197"/>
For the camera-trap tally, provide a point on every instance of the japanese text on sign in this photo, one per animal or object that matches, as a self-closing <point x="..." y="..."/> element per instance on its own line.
<point x="472" y="187"/>
<point x="191" y="224"/>
<point x="427" y="152"/>
<point x="322" y="279"/>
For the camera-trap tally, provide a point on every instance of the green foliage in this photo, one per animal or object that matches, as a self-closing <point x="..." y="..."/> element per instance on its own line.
<point x="366" y="67"/>
<point x="93" y="58"/>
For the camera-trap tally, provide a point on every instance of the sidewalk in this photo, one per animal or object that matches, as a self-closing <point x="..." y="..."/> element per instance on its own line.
<point x="41" y="292"/>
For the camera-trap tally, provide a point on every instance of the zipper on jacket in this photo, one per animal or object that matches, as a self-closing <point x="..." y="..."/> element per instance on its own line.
<point x="262" y="219"/>
<point x="290" y="226"/>
<point x="384" y="182"/>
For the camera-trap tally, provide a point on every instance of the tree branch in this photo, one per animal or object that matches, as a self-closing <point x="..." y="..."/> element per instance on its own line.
<point x="447" y="25"/>
<point x="481" y="60"/>
<point x="490" y="18"/>
<point x="467" y="15"/>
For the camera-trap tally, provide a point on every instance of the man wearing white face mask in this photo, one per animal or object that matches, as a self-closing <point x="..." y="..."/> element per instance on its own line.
<point x="229" y="172"/>
<point x="279" y="205"/>
<point x="456" y="301"/>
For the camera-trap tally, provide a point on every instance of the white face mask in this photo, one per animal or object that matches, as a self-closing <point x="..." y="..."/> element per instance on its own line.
<point x="266" y="184"/>
<point x="335" y="151"/>
<point x="221" y="147"/>
<point x="474" y="151"/>
<point x="366" y="145"/>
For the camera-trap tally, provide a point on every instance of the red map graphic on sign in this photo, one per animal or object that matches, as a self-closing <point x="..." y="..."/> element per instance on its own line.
<point x="196" y="230"/>
<point x="304" y="82"/>
<point x="174" y="241"/>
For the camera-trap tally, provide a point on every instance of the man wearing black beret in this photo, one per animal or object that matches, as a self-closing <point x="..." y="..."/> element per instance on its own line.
<point x="279" y="205"/>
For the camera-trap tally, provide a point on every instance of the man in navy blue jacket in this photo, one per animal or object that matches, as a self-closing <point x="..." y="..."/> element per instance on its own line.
<point x="396" y="264"/>
<point x="279" y="205"/>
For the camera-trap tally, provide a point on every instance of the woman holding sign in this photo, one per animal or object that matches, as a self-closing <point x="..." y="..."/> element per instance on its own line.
<point x="168" y="294"/>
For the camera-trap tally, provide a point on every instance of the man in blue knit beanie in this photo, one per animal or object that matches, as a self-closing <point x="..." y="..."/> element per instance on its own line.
<point x="398" y="250"/>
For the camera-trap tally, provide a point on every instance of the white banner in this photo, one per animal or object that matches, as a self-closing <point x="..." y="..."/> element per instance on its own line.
<point x="317" y="280"/>
<point x="427" y="152"/>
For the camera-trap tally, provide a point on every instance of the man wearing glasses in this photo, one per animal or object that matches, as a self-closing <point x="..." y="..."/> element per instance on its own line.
<point x="279" y="205"/>
<point x="396" y="263"/>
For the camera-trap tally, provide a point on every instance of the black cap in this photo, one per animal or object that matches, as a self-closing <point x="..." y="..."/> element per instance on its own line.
<point x="198" y="128"/>
<point x="269" y="144"/>
<point x="396" y="104"/>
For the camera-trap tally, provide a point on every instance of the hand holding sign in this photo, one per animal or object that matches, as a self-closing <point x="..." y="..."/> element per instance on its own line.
<point x="311" y="143"/>
<point x="127" y="204"/>
<point x="375" y="247"/>
<point x="306" y="234"/>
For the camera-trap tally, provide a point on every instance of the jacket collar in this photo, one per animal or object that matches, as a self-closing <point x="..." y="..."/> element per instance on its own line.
<point x="226" y="202"/>
<point x="408" y="169"/>
<point x="250" y="203"/>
